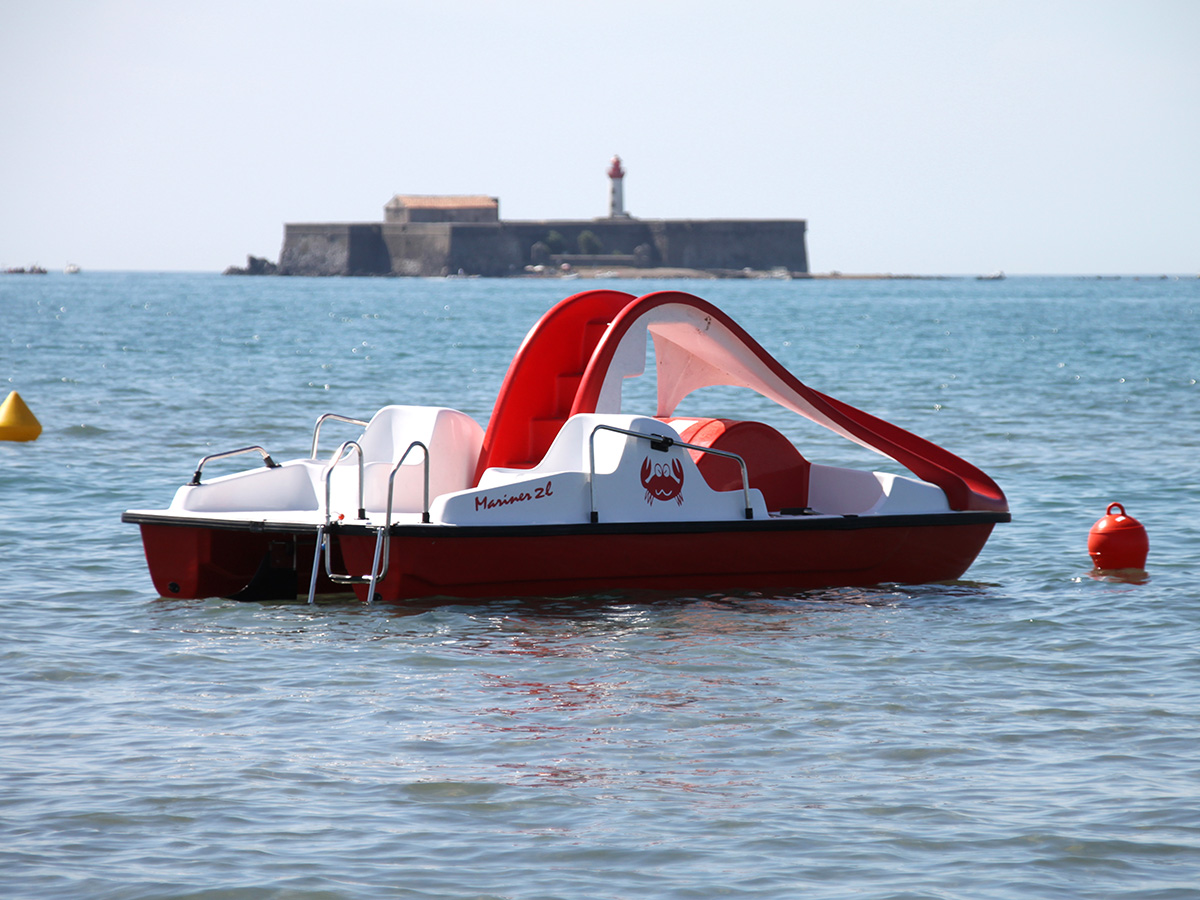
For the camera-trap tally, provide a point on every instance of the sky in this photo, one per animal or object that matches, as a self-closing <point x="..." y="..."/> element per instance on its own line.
<point x="923" y="137"/>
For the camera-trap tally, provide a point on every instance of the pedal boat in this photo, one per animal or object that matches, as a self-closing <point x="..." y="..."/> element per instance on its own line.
<point x="565" y="494"/>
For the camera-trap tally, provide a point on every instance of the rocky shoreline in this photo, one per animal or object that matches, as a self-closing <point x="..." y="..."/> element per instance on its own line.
<point x="255" y="265"/>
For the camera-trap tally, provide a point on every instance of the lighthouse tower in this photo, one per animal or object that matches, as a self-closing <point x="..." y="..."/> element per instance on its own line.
<point x="616" y="196"/>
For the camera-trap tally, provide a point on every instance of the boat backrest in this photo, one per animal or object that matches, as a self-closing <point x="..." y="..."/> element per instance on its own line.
<point x="453" y="439"/>
<point x="773" y="464"/>
<point x="288" y="487"/>
<point x="570" y="450"/>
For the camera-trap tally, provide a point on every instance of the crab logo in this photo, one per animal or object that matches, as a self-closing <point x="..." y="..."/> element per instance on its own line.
<point x="663" y="482"/>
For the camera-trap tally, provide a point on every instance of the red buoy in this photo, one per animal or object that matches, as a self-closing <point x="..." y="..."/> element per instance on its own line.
<point x="1118" y="541"/>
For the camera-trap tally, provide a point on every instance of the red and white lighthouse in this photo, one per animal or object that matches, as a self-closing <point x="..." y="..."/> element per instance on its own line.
<point x="616" y="195"/>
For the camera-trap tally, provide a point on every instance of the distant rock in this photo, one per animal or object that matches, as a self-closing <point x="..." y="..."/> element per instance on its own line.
<point x="255" y="265"/>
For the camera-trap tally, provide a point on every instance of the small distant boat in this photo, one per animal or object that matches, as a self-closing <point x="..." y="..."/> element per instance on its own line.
<point x="566" y="494"/>
<point x="71" y="269"/>
<point x="995" y="276"/>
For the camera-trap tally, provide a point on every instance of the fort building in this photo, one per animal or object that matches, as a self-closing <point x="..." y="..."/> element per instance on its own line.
<point x="443" y="235"/>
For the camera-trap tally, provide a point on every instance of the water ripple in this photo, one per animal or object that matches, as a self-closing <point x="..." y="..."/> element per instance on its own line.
<point x="1027" y="733"/>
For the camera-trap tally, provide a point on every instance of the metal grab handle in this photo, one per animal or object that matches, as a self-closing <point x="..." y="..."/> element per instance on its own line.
<point x="378" y="573"/>
<point x="270" y="463"/>
<point x="392" y="482"/>
<point x="664" y="444"/>
<point x="337" y="457"/>
<point x="321" y="421"/>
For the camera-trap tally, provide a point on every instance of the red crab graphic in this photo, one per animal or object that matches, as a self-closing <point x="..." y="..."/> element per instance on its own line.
<point x="661" y="482"/>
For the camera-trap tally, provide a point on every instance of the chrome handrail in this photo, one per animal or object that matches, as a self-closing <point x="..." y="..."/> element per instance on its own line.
<point x="338" y="577"/>
<point x="378" y="572"/>
<point x="328" y="476"/>
<point x="270" y="463"/>
<point x="664" y="444"/>
<point x="321" y="420"/>
<point x="392" y="483"/>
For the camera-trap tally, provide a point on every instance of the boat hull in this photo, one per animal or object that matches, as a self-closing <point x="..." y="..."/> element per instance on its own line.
<point x="244" y="562"/>
<point x="481" y="562"/>
<point x="252" y="561"/>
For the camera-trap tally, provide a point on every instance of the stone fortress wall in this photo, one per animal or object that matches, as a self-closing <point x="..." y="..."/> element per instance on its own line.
<point x="447" y="235"/>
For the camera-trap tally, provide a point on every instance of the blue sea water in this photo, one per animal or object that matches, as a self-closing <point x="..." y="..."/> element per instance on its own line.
<point x="1028" y="732"/>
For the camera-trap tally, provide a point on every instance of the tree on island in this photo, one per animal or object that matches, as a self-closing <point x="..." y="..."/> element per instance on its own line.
<point x="589" y="244"/>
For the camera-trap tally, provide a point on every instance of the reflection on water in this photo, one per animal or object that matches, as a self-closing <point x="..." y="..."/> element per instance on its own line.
<point x="1121" y="576"/>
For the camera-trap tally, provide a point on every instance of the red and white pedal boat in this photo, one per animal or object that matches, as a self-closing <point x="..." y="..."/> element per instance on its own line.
<point x="566" y="494"/>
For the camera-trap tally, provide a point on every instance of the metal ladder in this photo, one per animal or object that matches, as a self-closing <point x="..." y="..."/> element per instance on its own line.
<point x="382" y="545"/>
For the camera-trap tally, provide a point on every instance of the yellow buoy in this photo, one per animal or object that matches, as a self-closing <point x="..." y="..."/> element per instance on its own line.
<point x="17" y="423"/>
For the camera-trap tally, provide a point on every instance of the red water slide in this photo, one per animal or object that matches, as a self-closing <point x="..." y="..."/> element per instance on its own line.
<point x="562" y="365"/>
<point x="539" y="388"/>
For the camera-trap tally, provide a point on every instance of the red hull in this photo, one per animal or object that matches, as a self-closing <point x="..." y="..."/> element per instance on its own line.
<point x="197" y="561"/>
<point x="562" y="564"/>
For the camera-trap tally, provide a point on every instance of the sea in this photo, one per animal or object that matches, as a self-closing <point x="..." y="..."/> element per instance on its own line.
<point x="1029" y="731"/>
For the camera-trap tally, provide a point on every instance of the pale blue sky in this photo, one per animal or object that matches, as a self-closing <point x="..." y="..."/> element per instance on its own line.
<point x="915" y="137"/>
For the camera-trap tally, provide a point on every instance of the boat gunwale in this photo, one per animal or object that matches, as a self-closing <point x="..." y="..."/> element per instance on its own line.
<point x="800" y="523"/>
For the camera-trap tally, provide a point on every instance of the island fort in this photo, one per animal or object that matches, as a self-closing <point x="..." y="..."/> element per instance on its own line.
<point x="444" y="235"/>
